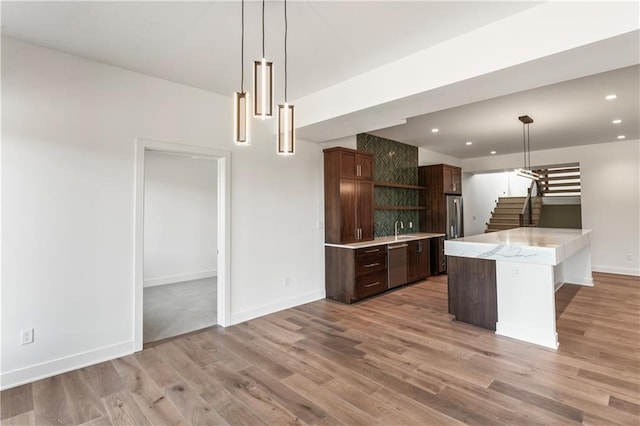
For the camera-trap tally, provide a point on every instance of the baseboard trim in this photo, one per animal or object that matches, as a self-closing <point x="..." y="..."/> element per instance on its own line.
<point x="586" y="281"/>
<point x="548" y="339"/>
<point x="616" y="270"/>
<point x="247" y="315"/>
<point x="35" y="372"/>
<point x="170" y="279"/>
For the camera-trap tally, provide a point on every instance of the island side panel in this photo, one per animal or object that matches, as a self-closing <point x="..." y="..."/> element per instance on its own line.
<point x="472" y="291"/>
<point x="526" y="303"/>
<point x="577" y="268"/>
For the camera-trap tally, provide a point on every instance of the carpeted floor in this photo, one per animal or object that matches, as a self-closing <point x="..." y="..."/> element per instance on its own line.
<point x="174" y="309"/>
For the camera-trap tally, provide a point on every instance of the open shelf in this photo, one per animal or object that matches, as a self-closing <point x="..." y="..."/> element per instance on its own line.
<point x="398" y="185"/>
<point x="399" y="208"/>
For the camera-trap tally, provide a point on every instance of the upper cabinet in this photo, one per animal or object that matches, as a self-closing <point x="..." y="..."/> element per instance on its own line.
<point x="452" y="179"/>
<point x="353" y="164"/>
<point x="348" y="195"/>
<point x="441" y="178"/>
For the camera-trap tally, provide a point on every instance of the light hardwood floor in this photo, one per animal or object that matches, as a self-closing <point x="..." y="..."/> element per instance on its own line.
<point x="394" y="359"/>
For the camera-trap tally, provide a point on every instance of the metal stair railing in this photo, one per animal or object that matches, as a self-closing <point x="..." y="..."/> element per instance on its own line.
<point x="526" y="214"/>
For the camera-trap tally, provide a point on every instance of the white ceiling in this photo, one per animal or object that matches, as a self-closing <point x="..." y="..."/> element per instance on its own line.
<point x="571" y="113"/>
<point x="198" y="44"/>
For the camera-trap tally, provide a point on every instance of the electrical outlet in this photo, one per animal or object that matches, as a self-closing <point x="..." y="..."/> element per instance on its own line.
<point x="26" y="336"/>
<point x="515" y="272"/>
<point x="410" y="225"/>
<point x="286" y="282"/>
<point x="629" y="257"/>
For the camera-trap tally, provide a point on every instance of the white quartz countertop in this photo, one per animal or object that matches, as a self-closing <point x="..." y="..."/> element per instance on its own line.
<point x="387" y="240"/>
<point x="529" y="245"/>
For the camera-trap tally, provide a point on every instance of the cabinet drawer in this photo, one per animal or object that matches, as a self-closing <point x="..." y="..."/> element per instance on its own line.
<point x="370" y="284"/>
<point x="366" y="263"/>
<point x="371" y="250"/>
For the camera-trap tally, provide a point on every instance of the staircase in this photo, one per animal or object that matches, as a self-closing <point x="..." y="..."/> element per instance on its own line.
<point x="506" y="215"/>
<point x="561" y="182"/>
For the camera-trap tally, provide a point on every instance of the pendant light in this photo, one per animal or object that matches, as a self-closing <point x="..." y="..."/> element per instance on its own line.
<point x="286" y="125"/>
<point x="263" y="83"/>
<point x="526" y="148"/>
<point x="240" y="101"/>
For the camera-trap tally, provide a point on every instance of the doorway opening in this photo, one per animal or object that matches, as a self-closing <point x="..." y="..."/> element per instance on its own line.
<point x="181" y="239"/>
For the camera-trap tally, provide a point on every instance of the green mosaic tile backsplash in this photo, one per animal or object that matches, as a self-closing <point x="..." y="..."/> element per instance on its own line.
<point x="397" y="163"/>
<point x="392" y="161"/>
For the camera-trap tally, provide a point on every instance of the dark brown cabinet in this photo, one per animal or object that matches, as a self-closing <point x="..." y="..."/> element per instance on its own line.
<point x="418" y="260"/>
<point x="472" y="291"/>
<point x="353" y="164"/>
<point x="438" y="259"/>
<point x="451" y="179"/>
<point x="354" y="274"/>
<point x="439" y="180"/>
<point x="348" y="195"/>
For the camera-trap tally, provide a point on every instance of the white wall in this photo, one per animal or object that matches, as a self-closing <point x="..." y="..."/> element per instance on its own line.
<point x="427" y="157"/>
<point x="348" y="142"/>
<point x="481" y="192"/>
<point x="69" y="127"/>
<point x="180" y="218"/>
<point x="610" y="175"/>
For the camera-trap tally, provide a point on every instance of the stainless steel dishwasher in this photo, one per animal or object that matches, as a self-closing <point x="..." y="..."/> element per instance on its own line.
<point x="397" y="264"/>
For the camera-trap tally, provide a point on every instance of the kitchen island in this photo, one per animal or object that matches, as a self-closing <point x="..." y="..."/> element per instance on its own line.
<point x="506" y="281"/>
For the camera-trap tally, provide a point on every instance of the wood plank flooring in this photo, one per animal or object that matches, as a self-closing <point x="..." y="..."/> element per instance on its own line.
<point x="397" y="359"/>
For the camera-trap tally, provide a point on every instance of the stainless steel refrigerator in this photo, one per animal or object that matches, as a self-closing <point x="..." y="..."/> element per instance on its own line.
<point x="454" y="222"/>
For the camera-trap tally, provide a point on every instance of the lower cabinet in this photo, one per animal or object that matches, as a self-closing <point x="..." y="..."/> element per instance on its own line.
<point x="418" y="260"/>
<point x="354" y="274"/>
<point x="438" y="259"/>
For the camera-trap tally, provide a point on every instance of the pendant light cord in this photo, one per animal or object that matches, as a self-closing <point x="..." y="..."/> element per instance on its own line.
<point x="242" y="53"/>
<point x="529" y="146"/>
<point x="524" y="146"/>
<point x="285" y="51"/>
<point x="263" y="28"/>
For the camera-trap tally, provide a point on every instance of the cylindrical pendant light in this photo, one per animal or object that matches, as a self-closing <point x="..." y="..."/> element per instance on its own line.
<point x="286" y="124"/>
<point x="241" y="118"/>
<point x="263" y="83"/>
<point x="286" y="130"/>
<point x="240" y="101"/>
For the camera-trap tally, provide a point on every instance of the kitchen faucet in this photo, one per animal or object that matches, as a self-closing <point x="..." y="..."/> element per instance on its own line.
<point x="395" y="227"/>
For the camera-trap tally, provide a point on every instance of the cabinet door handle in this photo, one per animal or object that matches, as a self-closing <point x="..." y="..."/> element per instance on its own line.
<point x="371" y="265"/>
<point x="397" y="247"/>
<point x="372" y="251"/>
<point x="372" y="284"/>
<point x="358" y="170"/>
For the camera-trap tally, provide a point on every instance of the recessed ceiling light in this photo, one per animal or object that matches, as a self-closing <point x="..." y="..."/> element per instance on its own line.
<point x="493" y="153"/>
<point x="469" y="143"/>
<point x="617" y="121"/>
<point x="611" y="97"/>
<point x="621" y="137"/>
<point x="435" y="130"/>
